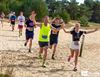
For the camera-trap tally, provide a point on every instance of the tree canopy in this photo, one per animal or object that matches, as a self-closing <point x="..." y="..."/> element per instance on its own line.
<point x="63" y="8"/>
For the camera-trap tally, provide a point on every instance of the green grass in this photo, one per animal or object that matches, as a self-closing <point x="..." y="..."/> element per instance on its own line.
<point x="4" y="75"/>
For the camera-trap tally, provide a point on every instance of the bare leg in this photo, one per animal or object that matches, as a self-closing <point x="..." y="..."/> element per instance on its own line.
<point x="54" y="50"/>
<point x="12" y="27"/>
<point x="2" y="22"/>
<point x="76" y="59"/>
<point x="44" y="56"/>
<point x="26" y="43"/>
<point x="30" y="45"/>
<point x="50" y="46"/>
<point x="40" y="52"/>
<point x="21" y="32"/>
<point x="72" y="54"/>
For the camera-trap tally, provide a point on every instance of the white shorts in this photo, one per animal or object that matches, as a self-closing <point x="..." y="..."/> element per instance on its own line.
<point x="74" y="47"/>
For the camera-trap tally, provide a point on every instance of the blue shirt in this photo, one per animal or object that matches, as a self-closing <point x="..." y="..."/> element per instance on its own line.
<point x="13" y="18"/>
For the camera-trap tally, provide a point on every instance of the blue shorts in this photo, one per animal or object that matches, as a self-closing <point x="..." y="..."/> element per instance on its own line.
<point x="53" y="40"/>
<point x="43" y="44"/>
<point x="29" y="35"/>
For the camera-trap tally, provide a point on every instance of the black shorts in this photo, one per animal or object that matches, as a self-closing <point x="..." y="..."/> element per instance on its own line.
<point x="12" y="23"/>
<point x="43" y="44"/>
<point x="53" y="40"/>
<point x="29" y="35"/>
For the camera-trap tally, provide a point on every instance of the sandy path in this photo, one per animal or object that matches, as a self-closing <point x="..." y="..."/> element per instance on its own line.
<point x="14" y="54"/>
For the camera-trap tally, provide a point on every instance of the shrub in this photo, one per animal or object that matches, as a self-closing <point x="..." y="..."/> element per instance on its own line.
<point x="65" y="16"/>
<point x="84" y="21"/>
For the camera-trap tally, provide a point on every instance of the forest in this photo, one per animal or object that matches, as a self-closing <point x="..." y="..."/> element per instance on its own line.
<point x="68" y="10"/>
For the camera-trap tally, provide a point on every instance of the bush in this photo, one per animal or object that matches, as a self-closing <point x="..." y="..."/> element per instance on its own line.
<point x="64" y="15"/>
<point x="84" y="21"/>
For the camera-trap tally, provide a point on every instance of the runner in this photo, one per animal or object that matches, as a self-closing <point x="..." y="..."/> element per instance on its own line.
<point x="57" y="26"/>
<point x="75" y="46"/>
<point x="21" y="20"/>
<point x="9" y="16"/>
<point x="2" y="15"/>
<point x="30" y="24"/>
<point x="13" y="20"/>
<point x="44" y="38"/>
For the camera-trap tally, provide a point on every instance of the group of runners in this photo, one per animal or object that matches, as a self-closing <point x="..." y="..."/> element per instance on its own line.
<point x="48" y="35"/>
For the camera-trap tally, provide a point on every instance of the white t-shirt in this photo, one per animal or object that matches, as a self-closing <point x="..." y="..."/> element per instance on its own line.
<point x="21" y="20"/>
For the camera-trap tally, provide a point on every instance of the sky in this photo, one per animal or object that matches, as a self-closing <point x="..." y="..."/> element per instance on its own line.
<point x="80" y="1"/>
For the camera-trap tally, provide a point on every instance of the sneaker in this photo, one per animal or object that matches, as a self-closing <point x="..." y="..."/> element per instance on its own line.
<point x="25" y="44"/>
<point x="40" y="57"/>
<point x="29" y="51"/>
<point x="43" y="66"/>
<point x="53" y="58"/>
<point x="75" y="69"/>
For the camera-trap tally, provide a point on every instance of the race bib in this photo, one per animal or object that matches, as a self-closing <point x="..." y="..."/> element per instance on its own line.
<point x="54" y="32"/>
<point x="44" y="36"/>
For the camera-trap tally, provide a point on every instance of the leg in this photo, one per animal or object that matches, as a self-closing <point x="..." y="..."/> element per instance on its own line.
<point x="2" y="22"/>
<point x="30" y="44"/>
<point x="50" y="46"/>
<point x="12" y="27"/>
<point x="72" y="54"/>
<point x="44" y="56"/>
<point x="40" y="52"/>
<point x="54" y="50"/>
<point x="26" y="42"/>
<point x="21" y="31"/>
<point x="76" y="59"/>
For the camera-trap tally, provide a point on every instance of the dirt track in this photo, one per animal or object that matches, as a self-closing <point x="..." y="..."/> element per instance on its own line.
<point x="14" y="54"/>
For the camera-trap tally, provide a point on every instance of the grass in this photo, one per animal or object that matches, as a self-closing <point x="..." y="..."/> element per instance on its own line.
<point x="4" y="75"/>
<point x="91" y="25"/>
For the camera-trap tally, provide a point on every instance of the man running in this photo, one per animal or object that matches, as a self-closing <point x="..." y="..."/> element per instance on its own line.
<point x="13" y="20"/>
<point x="57" y="25"/>
<point x="30" y="25"/>
<point x="21" y="21"/>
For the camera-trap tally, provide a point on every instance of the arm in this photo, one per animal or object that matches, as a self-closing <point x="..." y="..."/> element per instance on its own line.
<point x="87" y="32"/>
<point x="52" y="21"/>
<point x="64" y="28"/>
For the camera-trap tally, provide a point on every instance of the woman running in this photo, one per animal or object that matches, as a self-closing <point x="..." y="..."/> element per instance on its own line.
<point x="57" y="26"/>
<point x="13" y="20"/>
<point x="30" y="24"/>
<point x="75" y="46"/>
<point x="21" y="20"/>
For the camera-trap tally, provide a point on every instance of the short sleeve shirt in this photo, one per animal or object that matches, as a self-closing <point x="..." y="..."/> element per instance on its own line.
<point x="77" y="35"/>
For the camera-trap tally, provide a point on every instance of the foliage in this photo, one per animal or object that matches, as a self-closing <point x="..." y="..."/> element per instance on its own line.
<point x="90" y="8"/>
<point x="84" y="21"/>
